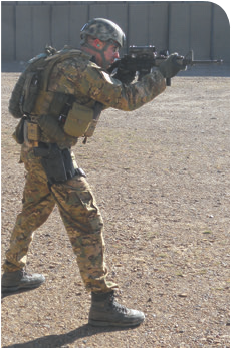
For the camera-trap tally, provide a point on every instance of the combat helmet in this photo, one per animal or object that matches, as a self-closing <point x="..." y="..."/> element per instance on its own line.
<point x="104" y="30"/>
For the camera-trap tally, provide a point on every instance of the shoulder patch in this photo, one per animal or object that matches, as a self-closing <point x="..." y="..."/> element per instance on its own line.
<point x="110" y="79"/>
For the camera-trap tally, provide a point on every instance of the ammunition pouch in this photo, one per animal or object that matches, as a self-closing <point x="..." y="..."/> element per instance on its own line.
<point x="33" y="131"/>
<point x="78" y="120"/>
<point x="57" y="163"/>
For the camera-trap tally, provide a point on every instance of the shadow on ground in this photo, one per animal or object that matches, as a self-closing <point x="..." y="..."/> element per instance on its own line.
<point x="55" y="341"/>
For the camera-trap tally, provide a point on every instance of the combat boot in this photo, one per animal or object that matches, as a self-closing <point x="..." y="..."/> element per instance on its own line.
<point x="20" y="281"/>
<point x="105" y="311"/>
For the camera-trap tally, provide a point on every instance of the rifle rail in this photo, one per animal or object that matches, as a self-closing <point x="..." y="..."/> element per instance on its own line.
<point x="143" y="58"/>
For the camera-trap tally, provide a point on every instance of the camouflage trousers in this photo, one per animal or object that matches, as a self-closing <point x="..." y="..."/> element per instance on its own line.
<point x="79" y="214"/>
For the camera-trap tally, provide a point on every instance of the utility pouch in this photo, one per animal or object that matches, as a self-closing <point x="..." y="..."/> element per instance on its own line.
<point x="33" y="131"/>
<point x="18" y="134"/>
<point x="91" y="128"/>
<point x="78" y="120"/>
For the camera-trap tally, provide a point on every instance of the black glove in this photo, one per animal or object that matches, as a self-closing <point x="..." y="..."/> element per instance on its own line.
<point x="124" y="75"/>
<point x="170" y="67"/>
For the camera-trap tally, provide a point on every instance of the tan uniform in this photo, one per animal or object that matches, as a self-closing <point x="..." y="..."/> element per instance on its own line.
<point x="88" y="83"/>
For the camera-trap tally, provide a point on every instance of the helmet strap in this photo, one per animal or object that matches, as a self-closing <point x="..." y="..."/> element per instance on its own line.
<point x="100" y="51"/>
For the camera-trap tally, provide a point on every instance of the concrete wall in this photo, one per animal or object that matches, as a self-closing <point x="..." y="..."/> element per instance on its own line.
<point x="27" y="26"/>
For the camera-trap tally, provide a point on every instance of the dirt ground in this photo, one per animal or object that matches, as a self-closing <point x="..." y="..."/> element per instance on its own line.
<point x="160" y="175"/>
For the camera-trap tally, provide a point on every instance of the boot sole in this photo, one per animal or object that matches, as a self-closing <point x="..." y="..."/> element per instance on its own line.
<point x="17" y="290"/>
<point x="107" y="323"/>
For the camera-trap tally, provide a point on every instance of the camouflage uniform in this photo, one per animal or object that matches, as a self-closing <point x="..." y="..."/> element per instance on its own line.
<point x="87" y="82"/>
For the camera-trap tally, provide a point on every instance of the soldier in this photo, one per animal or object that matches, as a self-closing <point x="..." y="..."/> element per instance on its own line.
<point x="82" y="81"/>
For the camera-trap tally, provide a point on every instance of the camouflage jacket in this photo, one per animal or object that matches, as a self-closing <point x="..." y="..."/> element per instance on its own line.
<point x="89" y="83"/>
<point x="79" y="77"/>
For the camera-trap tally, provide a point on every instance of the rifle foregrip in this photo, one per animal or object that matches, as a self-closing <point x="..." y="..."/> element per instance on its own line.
<point x="168" y="81"/>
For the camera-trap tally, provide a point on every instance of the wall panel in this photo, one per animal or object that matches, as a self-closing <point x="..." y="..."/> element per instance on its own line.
<point x="98" y="11"/>
<point x="221" y="34"/>
<point x="201" y="16"/>
<point x="24" y="32"/>
<point x="8" y="33"/>
<point x="179" y="28"/>
<point x="27" y="26"/>
<point x="158" y="25"/>
<point x="78" y="17"/>
<point x="41" y="28"/>
<point x="138" y="24"/>
<point x="60" y="26"/>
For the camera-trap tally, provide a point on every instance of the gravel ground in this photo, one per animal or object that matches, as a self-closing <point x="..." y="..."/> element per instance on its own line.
<point x="160" y="175"/>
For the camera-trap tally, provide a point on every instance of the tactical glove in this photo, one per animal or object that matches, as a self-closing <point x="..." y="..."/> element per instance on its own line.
<point x="170" y="67"/>
<point x="124" y="75"/>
